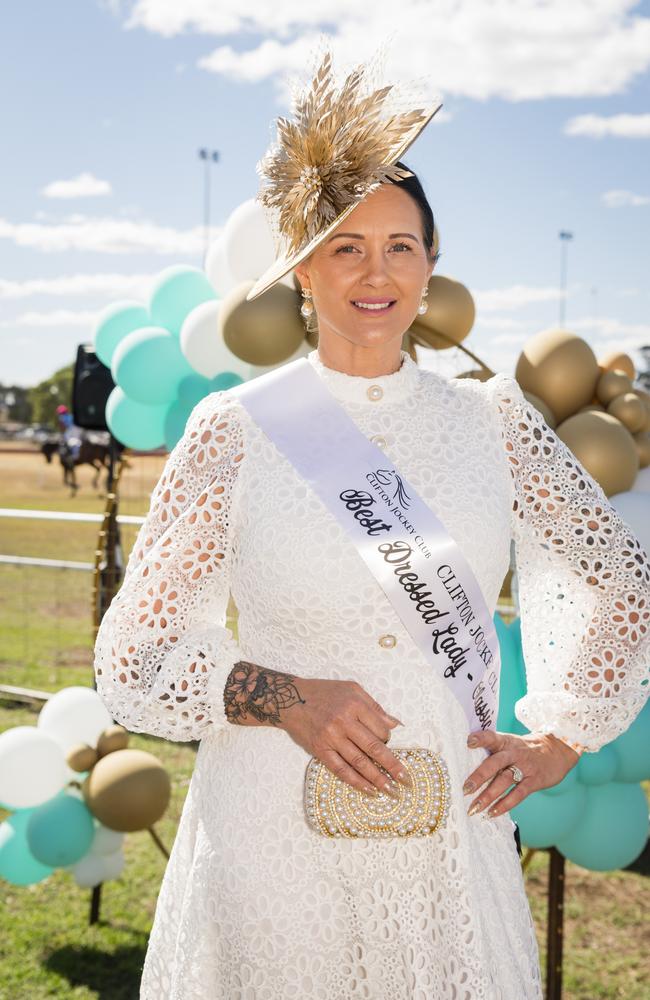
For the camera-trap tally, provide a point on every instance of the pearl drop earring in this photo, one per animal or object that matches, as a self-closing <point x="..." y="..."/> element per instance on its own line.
<point x="422" y="308"/>
<point x="307" y="307"/>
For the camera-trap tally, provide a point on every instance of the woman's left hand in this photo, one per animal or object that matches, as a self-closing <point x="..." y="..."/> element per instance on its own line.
<point x="542" y="759"/>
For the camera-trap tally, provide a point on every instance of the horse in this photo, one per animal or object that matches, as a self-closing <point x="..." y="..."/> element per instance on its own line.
<point x="91" y="452"/>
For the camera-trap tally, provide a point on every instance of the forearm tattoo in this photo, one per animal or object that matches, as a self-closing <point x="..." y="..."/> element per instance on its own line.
<point x="259" y="692"/>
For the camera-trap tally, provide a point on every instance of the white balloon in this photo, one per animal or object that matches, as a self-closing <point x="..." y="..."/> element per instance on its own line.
<point x="204" y="347"/>
<point x="634" y="508"/>
<point x="32" y="767"/>
<point x="74" y="715"/>
<point x="216" y="268"/>
<point x="106" y="841"/>
<point x="248" y="241"/>
<point x="642" y="482"/>
<point x="89" y="870"/>
<point x="113" y="864"/>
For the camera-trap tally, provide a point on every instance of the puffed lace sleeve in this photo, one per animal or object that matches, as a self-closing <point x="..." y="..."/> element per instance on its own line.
<point x="162" y="652"/>
<point x="583" y="583"/>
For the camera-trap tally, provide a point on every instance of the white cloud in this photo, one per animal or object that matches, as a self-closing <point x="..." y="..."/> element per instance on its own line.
<point x="83" y="186"/>
<point x="622" y="126"/>
<point x="515" y="297"/>
<point x="105" y="234"/>
<point x="53" y="318"/>
<point x="77" y="285"/>
<point x="513" y="49"/>
<point x="621" y="199"/>
<point x="628" y="335"/>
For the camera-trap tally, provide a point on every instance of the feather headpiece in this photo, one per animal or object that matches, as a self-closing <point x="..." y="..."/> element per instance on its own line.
<point x="341" y="145"/>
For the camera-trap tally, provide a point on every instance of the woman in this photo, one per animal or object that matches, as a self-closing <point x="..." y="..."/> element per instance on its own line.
<point x="255" y="903"/>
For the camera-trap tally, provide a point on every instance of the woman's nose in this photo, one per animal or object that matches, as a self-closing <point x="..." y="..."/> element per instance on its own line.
<point x="375" y="269"/>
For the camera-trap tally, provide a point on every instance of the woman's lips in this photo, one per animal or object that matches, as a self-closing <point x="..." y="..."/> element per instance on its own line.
<point x="374" y="311"/>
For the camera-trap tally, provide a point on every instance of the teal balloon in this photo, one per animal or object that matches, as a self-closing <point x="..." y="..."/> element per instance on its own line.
<point x="17" y="863"/>
<point x="60" y="831"/>
<point x="512" y="683"/>
<point x="225" y="380"/>
<point x="176" y="291"/>
<point x="567" y="783"/>
<point x="135" y="424"/>
<point x="597" y="768"/>
<point x="149" y="364"/>
<point x="192" y="389"/>
<point x="175" y="421"/>
<point x="114" y="324"/>
<point x="544" y="819"/>
<point x="633" y="749"/>
<point x="612" y="830"/>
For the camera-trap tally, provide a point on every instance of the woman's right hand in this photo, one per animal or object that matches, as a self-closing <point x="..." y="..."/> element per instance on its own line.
<point x="343" y="726"/>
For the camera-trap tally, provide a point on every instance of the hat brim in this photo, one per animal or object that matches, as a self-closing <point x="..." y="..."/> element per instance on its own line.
<point x="285" y="263"/>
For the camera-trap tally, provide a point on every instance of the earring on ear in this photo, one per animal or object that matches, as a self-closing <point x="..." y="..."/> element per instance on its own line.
<point x="307" y="307"/>
<point x="422" y="308"/>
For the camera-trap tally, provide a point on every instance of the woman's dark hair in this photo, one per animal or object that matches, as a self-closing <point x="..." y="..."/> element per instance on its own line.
<point x="413" y="187"/>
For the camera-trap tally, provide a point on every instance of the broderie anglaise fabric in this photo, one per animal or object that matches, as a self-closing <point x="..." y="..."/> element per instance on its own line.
<point x="254" y="904"/>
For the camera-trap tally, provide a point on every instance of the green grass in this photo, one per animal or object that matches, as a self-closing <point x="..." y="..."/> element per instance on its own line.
<point x="47" y="948"/>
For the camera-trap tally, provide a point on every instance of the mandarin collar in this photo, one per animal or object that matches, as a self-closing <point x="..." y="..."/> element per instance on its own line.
<point x="375" y="391"/>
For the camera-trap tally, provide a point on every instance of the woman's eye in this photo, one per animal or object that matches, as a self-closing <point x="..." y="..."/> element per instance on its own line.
<point x="349" y="246"/>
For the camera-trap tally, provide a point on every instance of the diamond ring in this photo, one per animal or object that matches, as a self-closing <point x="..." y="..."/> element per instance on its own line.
<point x="517" y="775"/>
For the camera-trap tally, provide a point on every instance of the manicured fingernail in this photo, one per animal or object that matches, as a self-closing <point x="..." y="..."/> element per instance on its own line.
<point x="472" y="741"/>
<point x="406" y="778"/>
<point x="468" y="787"/>
<point x="492" y="813"/>
<point x="390" y="790"/>
<point x="474" y="808"/>
<point x="371" y="791"/>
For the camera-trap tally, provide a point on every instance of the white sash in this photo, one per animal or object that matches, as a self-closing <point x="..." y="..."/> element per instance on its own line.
<point x="407" y="549"/>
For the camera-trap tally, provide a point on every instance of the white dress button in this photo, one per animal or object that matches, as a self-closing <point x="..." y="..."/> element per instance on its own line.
<point x="379" y="441"/>
<point x="375" y="392"/>
<point x="387" y="641"/>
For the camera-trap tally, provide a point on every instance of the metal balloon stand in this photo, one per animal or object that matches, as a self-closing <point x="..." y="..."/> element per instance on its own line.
<point x="554" y="920"/>
<point x="107" y="577"/>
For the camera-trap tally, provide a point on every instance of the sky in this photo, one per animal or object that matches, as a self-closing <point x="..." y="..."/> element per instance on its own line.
<point x="545" y="127"/>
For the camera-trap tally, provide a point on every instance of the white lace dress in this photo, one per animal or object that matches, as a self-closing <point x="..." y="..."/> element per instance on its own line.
<point x="254" y="905"/>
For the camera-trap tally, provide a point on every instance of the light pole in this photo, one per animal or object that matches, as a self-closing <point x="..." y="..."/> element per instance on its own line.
<point x="208" y="156"/>
<point x="564" y="239"/>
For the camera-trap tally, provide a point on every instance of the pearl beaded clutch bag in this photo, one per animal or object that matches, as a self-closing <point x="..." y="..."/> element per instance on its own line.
<point x="337" y="809"/>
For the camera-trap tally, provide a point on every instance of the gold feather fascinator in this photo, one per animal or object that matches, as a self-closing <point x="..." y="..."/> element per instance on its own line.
<point x="342" y="143"/>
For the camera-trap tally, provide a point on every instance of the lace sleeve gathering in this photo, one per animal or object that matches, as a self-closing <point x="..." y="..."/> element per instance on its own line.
<point x="583" y="583"/>
<point x="162" y="652"/>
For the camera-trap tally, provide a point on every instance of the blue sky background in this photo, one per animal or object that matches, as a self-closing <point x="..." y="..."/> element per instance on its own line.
<point x="128" y="92"/>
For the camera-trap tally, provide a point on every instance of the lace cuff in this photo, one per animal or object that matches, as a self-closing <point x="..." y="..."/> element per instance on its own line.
<point x="584" y="586"/>
<point x="163" y="653"/>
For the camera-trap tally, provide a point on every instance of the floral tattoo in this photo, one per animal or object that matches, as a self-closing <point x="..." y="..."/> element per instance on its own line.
<point x="259" y="692"/>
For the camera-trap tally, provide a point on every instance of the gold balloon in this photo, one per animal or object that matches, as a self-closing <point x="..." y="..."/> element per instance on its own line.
<point x="630" y="410"/>
<point x="612" y="384"/>
<point x="591" y="406"/>
<point x="614" y="359"/>
<point x="112" y="739"/>
<point x="267" y="330"/>
<point x="560" y="368"/>
<point x="81" y="757"/>
<point x="604" y="447"/>
<point x="449" y="316"/>
<point x="642" y="442"/>
<point x="127" y="790"/>
<point x="543" y="408"/>
<point x="645" y="399"/>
